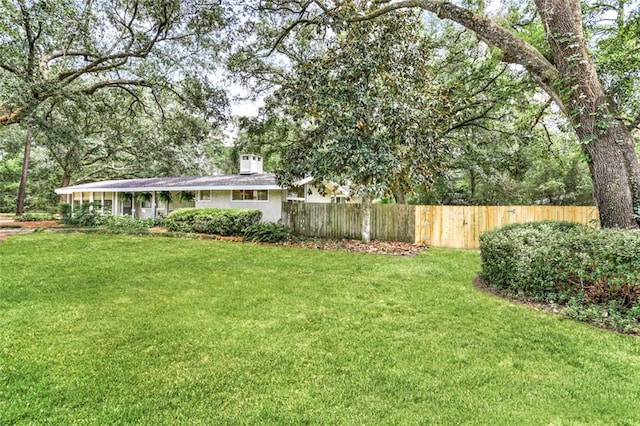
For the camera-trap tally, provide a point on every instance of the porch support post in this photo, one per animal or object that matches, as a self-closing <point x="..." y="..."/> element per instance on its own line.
<point x="133" y="205"/>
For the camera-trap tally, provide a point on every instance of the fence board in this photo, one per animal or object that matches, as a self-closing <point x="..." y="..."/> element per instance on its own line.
<point x="461" y="226"/>
<point x="436" y="226"/>
<point x="388" y="222"/>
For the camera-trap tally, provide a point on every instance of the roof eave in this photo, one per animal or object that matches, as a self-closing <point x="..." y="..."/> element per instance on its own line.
<point x="74" y="189"/>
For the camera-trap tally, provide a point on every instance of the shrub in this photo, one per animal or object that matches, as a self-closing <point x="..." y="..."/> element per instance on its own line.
<point x="267" y="232"/>
<point x="87" y="214"/>
<point x="124" y="223"/>
<point x="35" y="217"/>
<point x="212" y="220"/>
<point x="64" y="210"/>
<point x="584" y="269"/>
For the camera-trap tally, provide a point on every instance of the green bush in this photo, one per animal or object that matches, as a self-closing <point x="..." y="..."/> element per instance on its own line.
<point x="34" y="217"/>
<point x="124" y="223"/>
<point x="267" y="232"/>
<point x="64" y="210"/>
<point x="87" y="214"/>
<point x="212" y="220"/>
<point x="584" y="269"/>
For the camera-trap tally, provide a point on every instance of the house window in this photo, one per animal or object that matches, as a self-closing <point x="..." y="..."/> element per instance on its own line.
<point x="205" y="195"/>
<point x="250" y="195"/>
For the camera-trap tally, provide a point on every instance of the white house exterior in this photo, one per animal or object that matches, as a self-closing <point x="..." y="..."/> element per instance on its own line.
<point x="144" y="198"/>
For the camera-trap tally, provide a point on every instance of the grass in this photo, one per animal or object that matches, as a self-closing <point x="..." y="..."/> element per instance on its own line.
<point x="116" y="329"/>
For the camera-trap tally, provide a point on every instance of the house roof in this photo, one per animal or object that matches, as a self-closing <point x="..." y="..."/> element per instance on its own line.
<point x="183" y="183"/>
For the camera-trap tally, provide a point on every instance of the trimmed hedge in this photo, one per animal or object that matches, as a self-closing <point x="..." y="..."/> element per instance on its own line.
<point x="212" y="220"/>
<point x="594" y="274"/>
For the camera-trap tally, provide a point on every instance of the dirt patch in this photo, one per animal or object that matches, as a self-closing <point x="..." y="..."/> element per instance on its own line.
<point x="378" y="247"/>
<point x="38" y="224"/>
<point x="11" y="227"/>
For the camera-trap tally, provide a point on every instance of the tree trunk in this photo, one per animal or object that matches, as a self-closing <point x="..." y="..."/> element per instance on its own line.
<point x="366" y="219"/>
<point x="612" y="159"/>
<point x="66" y="181"/>
<point x="572" y="82"/>
<point x="615" y="177"/>
<point x="472" y="183"/>
<point x="22" y="189"/>
<point x="399" y="196"/>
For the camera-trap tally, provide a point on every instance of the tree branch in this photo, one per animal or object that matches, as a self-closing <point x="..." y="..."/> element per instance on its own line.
<point x="9" y="68"/>
<point x="540" y="113"/>
<point x="515" y="50"/>
<point x="114" y="83"/>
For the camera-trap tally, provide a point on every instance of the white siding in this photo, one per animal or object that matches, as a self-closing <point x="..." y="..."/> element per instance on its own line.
<point x="271" y="209"/>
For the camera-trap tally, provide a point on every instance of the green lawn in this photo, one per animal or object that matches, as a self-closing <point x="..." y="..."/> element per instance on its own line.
<point x="103" y="329"/>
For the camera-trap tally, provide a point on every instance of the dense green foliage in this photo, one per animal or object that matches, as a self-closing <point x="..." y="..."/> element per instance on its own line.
<point x="366" y="109"/>
<point x="107" y="90"/>
<point x="437" y="107"/>
<point x="125" y="223"/>
<point x="267" y="232"/>
<point x="594" y="273"/>
<point x="212" y="220"/>
<point x="139" y="330"/>
<point x="86" y="214"/>
<point x="35" y="217"/>
<point x="555" y="41"/>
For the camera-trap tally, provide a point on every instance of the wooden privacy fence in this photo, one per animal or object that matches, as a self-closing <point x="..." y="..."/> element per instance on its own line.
<point x="461" y="226"/>
<point x="436" y="226"/>
<point x="388" y="222"/>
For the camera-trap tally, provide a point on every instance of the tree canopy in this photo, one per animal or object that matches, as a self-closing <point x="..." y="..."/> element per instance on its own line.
<point x="558" y="59"/>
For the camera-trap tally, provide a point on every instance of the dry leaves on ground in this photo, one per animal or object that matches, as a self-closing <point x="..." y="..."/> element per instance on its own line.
<point x="381" y="247"/>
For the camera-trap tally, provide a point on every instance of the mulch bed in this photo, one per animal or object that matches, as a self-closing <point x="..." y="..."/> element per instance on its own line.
<point x="378" y="247"/>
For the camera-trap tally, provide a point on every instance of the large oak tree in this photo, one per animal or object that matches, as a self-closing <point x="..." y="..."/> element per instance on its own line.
<point x="563" y="66"/>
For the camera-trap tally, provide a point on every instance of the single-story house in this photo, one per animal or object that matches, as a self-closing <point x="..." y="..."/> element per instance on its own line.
<point x="152" y="197"/>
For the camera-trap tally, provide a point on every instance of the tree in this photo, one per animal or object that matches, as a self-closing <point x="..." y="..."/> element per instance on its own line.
<point x="365" y="110"/>
<point x="103" y="138"/>
<point x="57" y="50"/>
<point x="562" y="66"/>
<point x="53" y="49"/>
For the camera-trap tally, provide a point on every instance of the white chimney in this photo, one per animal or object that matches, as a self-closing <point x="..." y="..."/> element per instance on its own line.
<point x="250" y="164"/>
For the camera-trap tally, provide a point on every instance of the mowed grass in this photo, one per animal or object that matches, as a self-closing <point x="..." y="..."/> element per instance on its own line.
<point x="103" y="329"/>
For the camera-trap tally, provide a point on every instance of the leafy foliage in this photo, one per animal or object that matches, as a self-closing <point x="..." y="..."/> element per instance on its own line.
<point x="267" y="232"/>
<point x="125" y="223"/>
<point x="55" y="50"/>
<point x="212" y="220"/>
<point x="586" y="269"/>
<point x="64" y="210"/>
<point x="35" y="217"/>
<point x="86" y="214"/>
<point x="561" y="63"/>
<point x="366" y="109"/>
